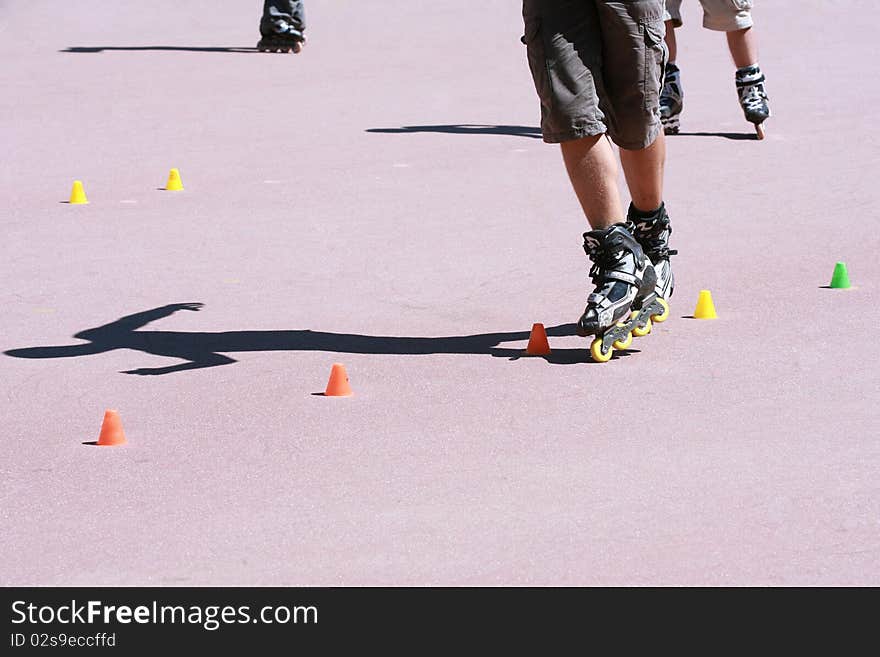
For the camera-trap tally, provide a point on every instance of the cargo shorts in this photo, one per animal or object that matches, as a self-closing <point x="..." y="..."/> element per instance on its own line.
<point x="721" y="15"/>
<point x="598" y="68"/>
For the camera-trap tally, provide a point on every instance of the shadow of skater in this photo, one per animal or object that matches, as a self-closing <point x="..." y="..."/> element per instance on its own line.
<point x="94" y="49"/>
<point x="736" y="136"/>
<point x="466" y="129"/>
<point x="200" y="350"/>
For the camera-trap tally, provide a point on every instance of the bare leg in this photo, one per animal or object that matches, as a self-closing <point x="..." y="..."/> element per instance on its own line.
<point x="743" y="47"/>
<point x="644" y="174"/>
<point x="670" y="41"/>
<point x="592" y="169"/>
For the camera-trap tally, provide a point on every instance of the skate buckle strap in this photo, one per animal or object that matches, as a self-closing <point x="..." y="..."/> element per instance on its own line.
<point x="614" y="275"/>
<point x="750" y="81"/>
<point x="598" y="273"/>
<point x="598" y="299"/>
<point x="656" y="223"/>
<point x="662" y="252"/>
<point x="599" y="302"/>
<point x="650" y="235"/>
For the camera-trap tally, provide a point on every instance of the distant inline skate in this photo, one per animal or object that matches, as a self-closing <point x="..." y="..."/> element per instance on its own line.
<point x="625" y="290"/>
<point x="753" y="97"/>
<point x="282" y="27"/>
<point x="288" y="40"/>
<point x="671" y="100"/>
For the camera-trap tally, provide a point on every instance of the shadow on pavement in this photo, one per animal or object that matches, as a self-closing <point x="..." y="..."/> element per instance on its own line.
<point x="466" y="129"/>
<point x="200" y="350"/>
<point x="738" y="136"/>
<point x="563" y="356"/>
<point x="93" y="49"/>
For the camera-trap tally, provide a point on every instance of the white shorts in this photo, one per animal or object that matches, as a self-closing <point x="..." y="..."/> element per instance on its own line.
<point x="721" y="15"/>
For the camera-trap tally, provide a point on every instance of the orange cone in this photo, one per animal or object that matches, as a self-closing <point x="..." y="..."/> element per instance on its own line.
<point x="338" y="385"/>
<point x="538" y="345"/>
<point x="111" y="429"/>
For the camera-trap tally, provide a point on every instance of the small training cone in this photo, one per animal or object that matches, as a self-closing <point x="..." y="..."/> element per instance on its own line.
<point x="538" y="345"/>
<point x="174" y="183"/>
<point x="338" y="385"/>
<point x="705" y="308"/>
<point x="840" y="277"/>
<point x="78" y="194"/>
<point x="111" y="430"/>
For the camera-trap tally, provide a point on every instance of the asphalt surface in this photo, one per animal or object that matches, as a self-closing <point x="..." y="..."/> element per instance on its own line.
<point x="384" y="200"/>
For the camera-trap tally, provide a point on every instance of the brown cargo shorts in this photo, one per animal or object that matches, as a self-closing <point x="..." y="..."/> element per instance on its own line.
<point x="598" y="68"/>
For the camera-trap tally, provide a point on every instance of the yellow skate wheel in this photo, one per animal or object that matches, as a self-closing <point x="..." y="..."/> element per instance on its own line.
<point x="640" y="331"/>
<point x="625" y="343"/>
<point x="662" y="317"/>
<point x="596" y="351"/>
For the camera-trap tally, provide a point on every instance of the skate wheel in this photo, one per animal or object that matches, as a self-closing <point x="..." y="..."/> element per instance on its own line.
<point x="759" y="128"/>
<point x="641" y="331"/>
<point x="662" y="317"/>
<point x="596" y="351"/>
<point x="625" y="343"/>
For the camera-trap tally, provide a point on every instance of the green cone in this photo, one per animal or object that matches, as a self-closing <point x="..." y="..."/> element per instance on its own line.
<point x="840" y="279"/>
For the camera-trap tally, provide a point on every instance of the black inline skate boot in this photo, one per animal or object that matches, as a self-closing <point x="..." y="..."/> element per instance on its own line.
<point x="624" y="277"/>
<point x="282" y="27"/>
<point x="671" y="100"/>
<point x="652" y="231"/>
<point x="753" y="97"/>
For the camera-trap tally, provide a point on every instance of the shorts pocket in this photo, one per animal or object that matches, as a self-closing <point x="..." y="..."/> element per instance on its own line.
<point x="656" y="55"/>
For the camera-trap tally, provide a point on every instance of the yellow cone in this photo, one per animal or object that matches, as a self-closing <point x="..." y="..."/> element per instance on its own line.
<point x="78" y="194"/>
<point x="705" y="308"/>
<point x="174" y="183"/>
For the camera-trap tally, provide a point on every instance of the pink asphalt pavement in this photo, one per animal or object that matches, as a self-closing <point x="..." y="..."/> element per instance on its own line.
<point x="383" y="200"/>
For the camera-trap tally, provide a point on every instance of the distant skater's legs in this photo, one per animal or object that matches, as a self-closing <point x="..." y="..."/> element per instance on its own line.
<point x="671" y="43"/>
<point x="735" y="19"/>
<point x="672" y="94"/>
<point x="743" y="47"/>
<point x="282" y="27"/>
<point x="749" y="79"/>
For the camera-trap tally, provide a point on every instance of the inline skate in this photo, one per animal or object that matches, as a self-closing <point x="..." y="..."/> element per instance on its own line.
<point x="282" y="27"/>
<point x="652" y="231"/>
<point x="671" y="99"/>
<point x="624" y="278"/>
<point x="753" y="97"/>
